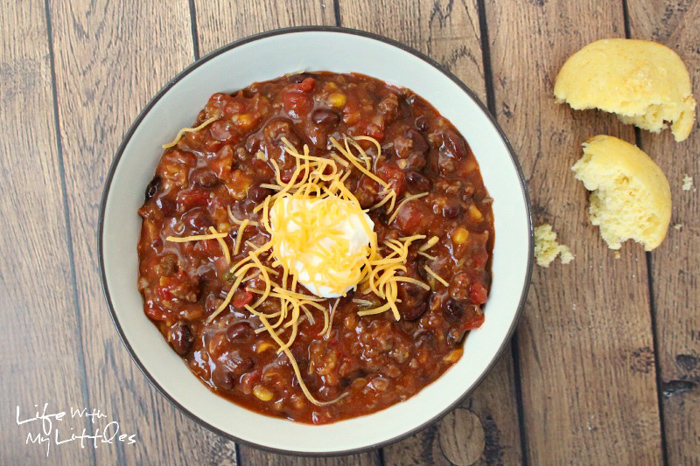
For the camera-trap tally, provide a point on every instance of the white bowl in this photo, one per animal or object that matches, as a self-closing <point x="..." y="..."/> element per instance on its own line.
<point x="264" y="57"/>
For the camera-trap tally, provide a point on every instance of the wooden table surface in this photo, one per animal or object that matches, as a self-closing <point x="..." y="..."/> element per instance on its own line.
<point x="604" y="367"/>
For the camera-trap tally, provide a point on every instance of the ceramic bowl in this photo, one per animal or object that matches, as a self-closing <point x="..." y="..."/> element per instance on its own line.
<point x="264" y="57"/>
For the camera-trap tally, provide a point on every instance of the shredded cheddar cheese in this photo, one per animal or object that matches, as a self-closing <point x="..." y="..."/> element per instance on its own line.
<point x="224" y="246"/>
<point x="302" y="217"/>
<point x="406" y="200"/>
<point x="189" y="130"/>
<point x="436" y="276"/>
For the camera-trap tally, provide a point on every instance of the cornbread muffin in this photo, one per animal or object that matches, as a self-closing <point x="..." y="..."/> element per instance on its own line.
<point x="547" y="248"/>
<point x="646" y="84"/>
<point x="630" y="198"/>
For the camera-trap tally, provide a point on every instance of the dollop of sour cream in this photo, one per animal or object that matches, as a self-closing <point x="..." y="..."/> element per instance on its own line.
<point x="331" y="227"/>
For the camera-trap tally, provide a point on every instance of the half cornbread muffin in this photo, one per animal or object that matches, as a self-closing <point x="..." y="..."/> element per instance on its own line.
<point x="630" y="198"/>
<point x="646" y="84"/>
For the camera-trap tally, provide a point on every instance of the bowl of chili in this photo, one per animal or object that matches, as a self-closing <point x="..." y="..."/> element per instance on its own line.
<point x="459" y="220"/>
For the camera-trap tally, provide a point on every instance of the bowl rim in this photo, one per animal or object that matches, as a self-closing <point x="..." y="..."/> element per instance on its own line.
<point x="263" y="35"/>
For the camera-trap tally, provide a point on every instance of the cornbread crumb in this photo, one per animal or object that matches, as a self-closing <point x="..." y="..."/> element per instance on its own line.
<point x="617" y="255"/>
<point x="547" y="248"/>
<point x="687" y="183"/>
<point x="678" y="226"/>
<point x="630" y="196"/>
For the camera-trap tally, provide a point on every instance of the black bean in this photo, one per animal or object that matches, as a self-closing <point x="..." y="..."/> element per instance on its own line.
<point x="204" y="177"/>
<point x="451" y="210"/>
<point x="180" y="337"/>
<point x="453" y="311"/>
<point x="153" y="186"/>
<point x="325" y="117"/>
<point x="257" y="193"/>
<point x="418" y="181"/>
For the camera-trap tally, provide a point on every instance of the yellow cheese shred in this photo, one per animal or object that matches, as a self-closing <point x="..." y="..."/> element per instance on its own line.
<point x="436" y="276"/>
<point x="189" y="130"/>
<point x="403" y="203"/>
<point x="429" y="244"/>
<point x="224" y="246"/>
<point x="239" y="236"/>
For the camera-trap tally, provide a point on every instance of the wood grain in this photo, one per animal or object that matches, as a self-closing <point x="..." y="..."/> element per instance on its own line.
<point x="449" y="32"/>
<point x="675" y="270"/>
<point x="586" y="358"/>
<point x="111" y="58"/>
<point x="40" y="363"/>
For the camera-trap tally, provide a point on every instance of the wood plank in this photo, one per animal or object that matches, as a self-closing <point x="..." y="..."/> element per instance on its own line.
<point x="40" y="364"/>
<point x="111" y="58"/>
<point x="675" y="268"/>
<point x="449" y="33"/>
<point x="219" y="23"/>
<point x="585" y="342"/>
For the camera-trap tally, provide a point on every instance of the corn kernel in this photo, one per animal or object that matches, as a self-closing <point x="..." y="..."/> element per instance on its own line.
<point x="460" y="236"/>
<point x="245" y="120"/>
<point x="402" y="163"/>
<point x="475" y="213"/>
<point x="262" y="393"/>
<point x="337" y="99"/>
<point x="264" y="346"/>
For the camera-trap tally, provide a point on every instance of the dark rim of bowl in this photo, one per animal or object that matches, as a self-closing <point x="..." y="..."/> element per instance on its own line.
<point x="263" y="35"/>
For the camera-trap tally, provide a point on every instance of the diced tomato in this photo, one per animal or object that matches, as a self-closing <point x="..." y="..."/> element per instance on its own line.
<point x="296" y="104"/>
<point x="394" y="176"/>
<point x="165" y="294"/>
<point x="190" y="198"/>
<point x="375" y="132"/>
<point x="307" y="85"/>
<point x="241" y="299"/>
<point x="414" y="218"/>
<point x="474" y="321"/>
<point x="478" y="293"/>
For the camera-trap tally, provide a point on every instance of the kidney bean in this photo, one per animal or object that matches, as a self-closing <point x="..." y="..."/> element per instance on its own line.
<point x="422" y="123"/>
<point x="198" y="220"/>
<point x="451" y="210"/>
<point x="180" y="337"/>
<point x="413" y="313"/>
<point x="204" y="177"/>
<point x="417" y="181"/>
<point x="420" y="144"/>
<point x="222" y="377"/>
<point x="257" y="193"/>
<point x="239" y="331"/>
<point x="325" y="117"/>
<point x="453" y="145"/>
<point x="166" y="206"/>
